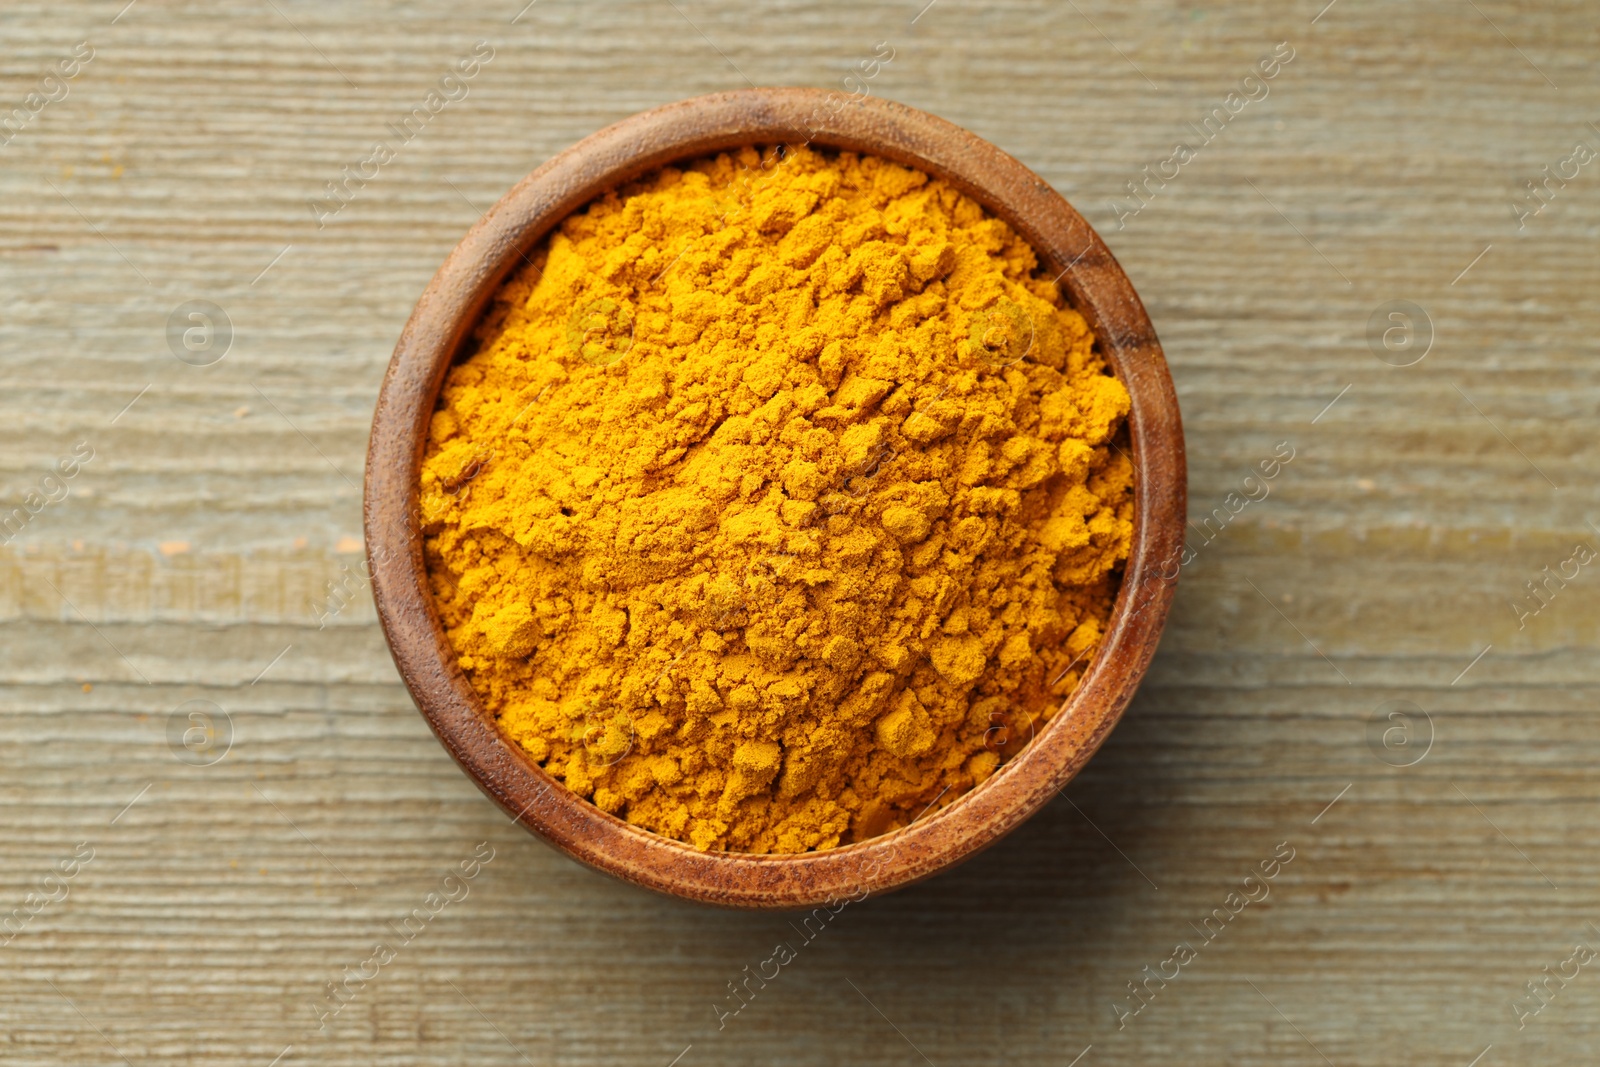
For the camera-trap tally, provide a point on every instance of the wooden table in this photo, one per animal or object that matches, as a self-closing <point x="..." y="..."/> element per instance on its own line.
<point x="1441" y="860"/>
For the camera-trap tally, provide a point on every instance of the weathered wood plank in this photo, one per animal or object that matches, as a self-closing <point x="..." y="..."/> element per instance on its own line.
<point x="198" y="544"/>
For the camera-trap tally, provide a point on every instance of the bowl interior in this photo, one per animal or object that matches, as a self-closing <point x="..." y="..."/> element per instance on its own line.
<point x="442" y="324"/>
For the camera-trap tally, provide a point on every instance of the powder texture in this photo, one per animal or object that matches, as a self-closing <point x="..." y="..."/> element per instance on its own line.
<point x="779" y="502"/>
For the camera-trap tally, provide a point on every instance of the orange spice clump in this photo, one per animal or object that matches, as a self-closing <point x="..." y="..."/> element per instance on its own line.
<point x="779" y="501"/>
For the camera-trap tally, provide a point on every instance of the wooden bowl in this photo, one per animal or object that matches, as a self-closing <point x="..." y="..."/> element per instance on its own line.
<point x="441" y="326"/>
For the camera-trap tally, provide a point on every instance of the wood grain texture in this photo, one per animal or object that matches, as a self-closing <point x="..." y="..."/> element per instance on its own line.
<point x="1387" y="156"/>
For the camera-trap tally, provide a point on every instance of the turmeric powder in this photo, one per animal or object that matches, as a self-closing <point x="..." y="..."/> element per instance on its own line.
<point x="779" y="502"/>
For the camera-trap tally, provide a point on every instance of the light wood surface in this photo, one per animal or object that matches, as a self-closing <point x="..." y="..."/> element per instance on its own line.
<point x="1388" y="155"/>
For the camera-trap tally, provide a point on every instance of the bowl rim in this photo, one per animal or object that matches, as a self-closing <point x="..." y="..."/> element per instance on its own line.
<point x="453" y="303"/>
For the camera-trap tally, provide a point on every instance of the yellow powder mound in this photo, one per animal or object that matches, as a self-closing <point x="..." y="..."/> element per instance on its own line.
<point x="779" y="501"/>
